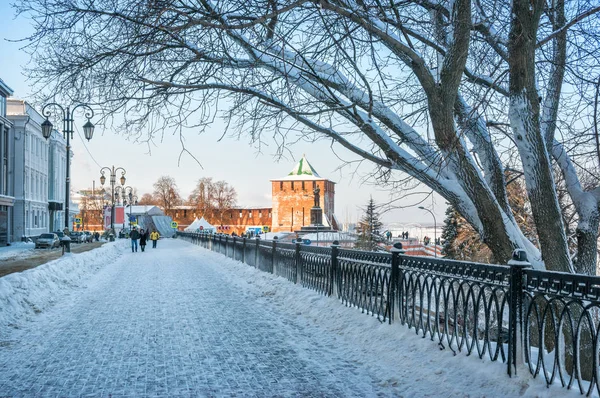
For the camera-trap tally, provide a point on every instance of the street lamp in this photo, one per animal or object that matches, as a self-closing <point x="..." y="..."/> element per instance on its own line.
<point x="88" y="131"/>
<point x="113" y="180"/>
<point x="127" y="192"/>
<point x="434" y="230"/>
<point x="132" y="198"/>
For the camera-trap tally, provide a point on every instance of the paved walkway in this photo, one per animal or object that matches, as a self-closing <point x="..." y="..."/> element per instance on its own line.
<point x="167" y="322"/>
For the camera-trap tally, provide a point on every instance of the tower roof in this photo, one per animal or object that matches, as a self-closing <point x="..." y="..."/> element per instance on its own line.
<point x="302" y="171"/>
<point x="303" y="168"/>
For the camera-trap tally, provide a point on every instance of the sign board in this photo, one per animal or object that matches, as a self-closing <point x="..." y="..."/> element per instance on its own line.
<point x="266" y="229"/>
<point x="307" y="241"/>
<point x="78" y="220"/>
<point x="201" y="227"/>
<point x="132" y="218"/>
<point x="174" y="224"/>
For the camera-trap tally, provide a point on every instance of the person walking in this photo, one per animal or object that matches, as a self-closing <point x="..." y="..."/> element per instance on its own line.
<point x="143" y="238"/>
<point x="134" y="235"/>
<point x="154" y="238"/>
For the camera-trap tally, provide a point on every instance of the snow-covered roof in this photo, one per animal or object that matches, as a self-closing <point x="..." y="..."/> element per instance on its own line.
<point x="301" y="171"/>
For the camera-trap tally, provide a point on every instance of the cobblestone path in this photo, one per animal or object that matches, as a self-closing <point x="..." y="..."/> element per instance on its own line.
<point x="167" y="323"/>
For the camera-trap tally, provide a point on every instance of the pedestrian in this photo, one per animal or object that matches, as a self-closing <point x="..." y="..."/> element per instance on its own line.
<point x="154" y="238"/>
<point x="143" y="238"/>
<point x="134" y="235"/>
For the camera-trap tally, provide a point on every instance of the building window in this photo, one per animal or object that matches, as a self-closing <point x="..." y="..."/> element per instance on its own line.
<point x="292" y="185"/>
<point x="250" y="214"/>
<point x="303" y="188"/>
<point x="314" y="185"/>
<point x="269" y="213"/>
<point x="281" y="185"/>
<point x="240" y="214"/>
<point x="184" y="213"/>
<point x="260" y="213"/>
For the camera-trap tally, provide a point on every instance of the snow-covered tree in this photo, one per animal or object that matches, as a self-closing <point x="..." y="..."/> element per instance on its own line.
<point x="369" y="229"/>
<point x="449" y="232"/>
<point x="447" y="92"/>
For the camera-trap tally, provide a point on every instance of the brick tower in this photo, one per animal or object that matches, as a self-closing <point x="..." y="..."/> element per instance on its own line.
<point x="293" y="198"/>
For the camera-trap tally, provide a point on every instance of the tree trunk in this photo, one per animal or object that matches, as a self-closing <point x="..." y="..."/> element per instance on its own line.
<point x="525" y="121"/>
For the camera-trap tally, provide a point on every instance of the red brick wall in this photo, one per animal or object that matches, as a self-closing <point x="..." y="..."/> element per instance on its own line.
<point x="231" y="221"/>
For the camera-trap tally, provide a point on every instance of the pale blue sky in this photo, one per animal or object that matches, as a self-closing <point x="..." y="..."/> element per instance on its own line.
<point x="233" y="161"/>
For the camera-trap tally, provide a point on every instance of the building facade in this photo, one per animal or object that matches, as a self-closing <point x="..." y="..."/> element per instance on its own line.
<point x="39" y="170"/>
<point x="6" y="184"/>
<point x="293" y="197"/>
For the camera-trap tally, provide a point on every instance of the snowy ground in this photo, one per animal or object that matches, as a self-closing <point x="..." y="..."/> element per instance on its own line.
<point x="17" y="250"/>
<point x="182" y="321"/>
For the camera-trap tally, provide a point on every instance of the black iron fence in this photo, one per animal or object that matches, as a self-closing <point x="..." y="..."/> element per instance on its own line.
<point x="546" y="322"/>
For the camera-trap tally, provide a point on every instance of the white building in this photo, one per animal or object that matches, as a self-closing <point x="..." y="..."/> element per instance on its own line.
<point x="39" y="173"/>
<point x="6" y="185"/>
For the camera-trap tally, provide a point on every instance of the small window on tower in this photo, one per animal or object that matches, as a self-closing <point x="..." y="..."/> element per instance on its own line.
<point x="292" y="185"/>
<point x="281" y="185"/>
<point x="240" y="214"/>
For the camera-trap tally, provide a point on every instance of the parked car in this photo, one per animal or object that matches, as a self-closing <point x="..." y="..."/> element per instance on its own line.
<point x="76" y="237"/>
<point x="88" y="237"/>
<point x="47" y="240"/>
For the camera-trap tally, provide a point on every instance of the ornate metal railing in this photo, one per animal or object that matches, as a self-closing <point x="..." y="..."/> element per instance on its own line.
<point x="547" y="323"/>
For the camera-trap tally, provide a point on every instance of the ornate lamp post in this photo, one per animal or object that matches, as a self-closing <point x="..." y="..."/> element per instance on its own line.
<point x="132" y="198"/>
<point x="434" y="230"/>
<point x="113" y="179"/>
<point x="88" y="131"/>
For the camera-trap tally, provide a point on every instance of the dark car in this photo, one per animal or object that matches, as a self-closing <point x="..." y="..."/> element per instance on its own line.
<point x="47" y="240"/>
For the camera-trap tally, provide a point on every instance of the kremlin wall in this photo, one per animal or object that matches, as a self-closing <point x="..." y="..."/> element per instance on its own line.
<point x="292" y="198"/>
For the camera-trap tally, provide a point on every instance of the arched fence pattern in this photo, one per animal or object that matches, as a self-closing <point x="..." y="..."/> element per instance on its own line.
<point x="543" y="322"/>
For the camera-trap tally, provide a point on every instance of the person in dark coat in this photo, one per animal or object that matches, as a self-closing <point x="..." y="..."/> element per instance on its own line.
<point x="134" y="235"/>
<point x="143" y="239"/>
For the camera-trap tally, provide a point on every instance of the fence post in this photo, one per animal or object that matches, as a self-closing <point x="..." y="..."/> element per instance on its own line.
<point x="298" y="262"/>
<point x="273" y="256"/>
<point x="395" y="296"/>
<point x="256" y="256"/>
<point x="515" y="317"/>
<point x="233" y="248"/>
<point x="244" y="250"/>
<point x="333" y="286"/>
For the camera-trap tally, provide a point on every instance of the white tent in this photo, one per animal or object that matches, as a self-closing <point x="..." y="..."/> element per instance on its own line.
<point x="200" y="225"/>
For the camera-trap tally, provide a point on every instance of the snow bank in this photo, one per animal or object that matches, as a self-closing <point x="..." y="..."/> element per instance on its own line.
<point x="17" y="250"/>
<point x="30" y="292"/>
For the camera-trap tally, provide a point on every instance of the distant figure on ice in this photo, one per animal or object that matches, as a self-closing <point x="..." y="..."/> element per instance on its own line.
<point x="317" y="196"/>
<point x="154" y="238"/>
<point x="134" y="235"/>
